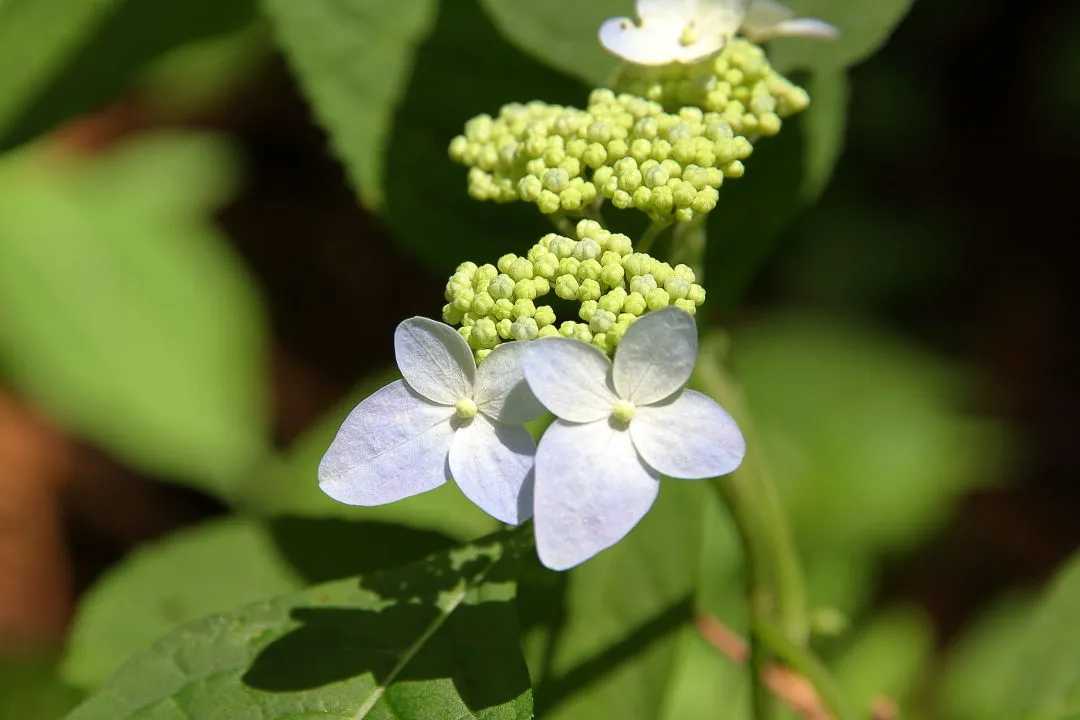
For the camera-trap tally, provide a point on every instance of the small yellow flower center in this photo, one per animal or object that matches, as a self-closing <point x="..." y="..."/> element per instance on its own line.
<point x="623" y="411"/>
<point x="466" y="409"/>
<point x="689" y="36"/>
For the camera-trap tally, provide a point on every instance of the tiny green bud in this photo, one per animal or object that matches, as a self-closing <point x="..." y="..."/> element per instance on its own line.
<point x="544" y="316"/>
<point x="657" y="299"/>
<point x="566" y="287"/>
<point x="635" y="304"/>
<point x="503" y="309"/>
<point x="524" y="308"/>
<point x="505" y="328"/>
<point x="525" y="328"/>
<point x="589" y="290"/>
<point x="502" y="287"/>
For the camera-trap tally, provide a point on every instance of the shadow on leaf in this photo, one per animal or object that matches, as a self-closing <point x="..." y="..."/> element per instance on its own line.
<point x="447" y="623"/>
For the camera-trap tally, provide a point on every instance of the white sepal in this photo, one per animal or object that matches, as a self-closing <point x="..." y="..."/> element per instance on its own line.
<point x="688" y="436"/>
<point x="501" y="391"/>
<point x="768" y="19"/>
<point x="393" y="445"/>
<point x="434" y="360"/>
<point x="493" y="465"/>
<point x="591" y="490"/>
<point x="570" y="378"/>
<point x="656" y="356"/>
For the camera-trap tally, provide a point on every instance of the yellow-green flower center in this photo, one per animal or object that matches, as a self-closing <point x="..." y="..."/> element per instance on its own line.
<point x="466" y="409"/>
<point x="623" y="411"/>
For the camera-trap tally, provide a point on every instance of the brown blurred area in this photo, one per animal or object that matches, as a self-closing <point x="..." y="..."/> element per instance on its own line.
<point x="1006" y="303"/>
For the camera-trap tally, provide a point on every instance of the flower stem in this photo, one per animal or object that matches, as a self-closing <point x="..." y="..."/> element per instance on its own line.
<point x="806" y="664"/>
<point x="649" y="236"/>
<point x="563" y="224"/>
<point x="755" y="502"/>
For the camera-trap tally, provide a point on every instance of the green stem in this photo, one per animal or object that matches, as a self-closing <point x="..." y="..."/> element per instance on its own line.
<point x="563" y="224"/>
<point x="750" y="531"/>
<point x="806" y="664"/>
<point x="688" y="245"/>
<point x="758" y="502"/>
<point x="649" y="236"/>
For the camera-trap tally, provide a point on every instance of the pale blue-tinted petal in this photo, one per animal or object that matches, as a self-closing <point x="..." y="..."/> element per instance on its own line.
<point x="501" y="391"/>
<point x="493" y="465"/>
<point x="570" y="377"/>
<point x="654" y="43"/>
<point x="435" y="360"/>
<point x="591" y="490"/>
<point x="656" y="356"/>
<point x="689" y="436"/>
<point x="393" y="445"/>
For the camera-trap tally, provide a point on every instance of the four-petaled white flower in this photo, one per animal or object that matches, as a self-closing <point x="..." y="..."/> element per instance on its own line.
<point x="445" y="419"/>
<point x="686" y="31"/>
<point x="620" y="427"/>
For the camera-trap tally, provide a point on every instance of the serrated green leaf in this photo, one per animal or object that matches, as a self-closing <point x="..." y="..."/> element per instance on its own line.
<point x="124" y="313"/>
<point x="436" y="639"/>
<point x="353" y="58"/>
<point x="75" y="55"/>
<point x="463" y="52"/>
<point x="216" y="567"/>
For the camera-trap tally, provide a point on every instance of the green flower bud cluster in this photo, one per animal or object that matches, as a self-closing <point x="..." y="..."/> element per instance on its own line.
<point x="739" y="84"/>
<point x="623" y="148"/>
<point x="600" y="270"/>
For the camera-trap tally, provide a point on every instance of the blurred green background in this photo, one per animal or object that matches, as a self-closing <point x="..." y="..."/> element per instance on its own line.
<point x="192" y="295"/>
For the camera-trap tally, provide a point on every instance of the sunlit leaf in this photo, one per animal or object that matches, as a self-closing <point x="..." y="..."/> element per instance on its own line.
<point x="436" y="639"/>
<point x="123" y="312"/>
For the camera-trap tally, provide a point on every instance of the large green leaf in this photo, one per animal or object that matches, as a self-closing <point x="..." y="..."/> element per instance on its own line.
<point x="124" y="314"/>
<point x="216" y="567"/>
<point x="436" y="639"/>
<point x="73" y="56"/>
<point x="864" y="28"/>
<point x="353" y="59"/>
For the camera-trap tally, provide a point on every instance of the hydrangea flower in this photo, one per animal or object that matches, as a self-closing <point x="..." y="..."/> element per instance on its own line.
<point x="620" y="427"/>
<point x="446" y="418"/>
<point x="686" y="31"/>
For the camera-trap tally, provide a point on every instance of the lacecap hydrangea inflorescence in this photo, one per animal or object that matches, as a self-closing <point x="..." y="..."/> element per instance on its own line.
<point x="612" y="284"/>
<point x="663" y="144"/>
